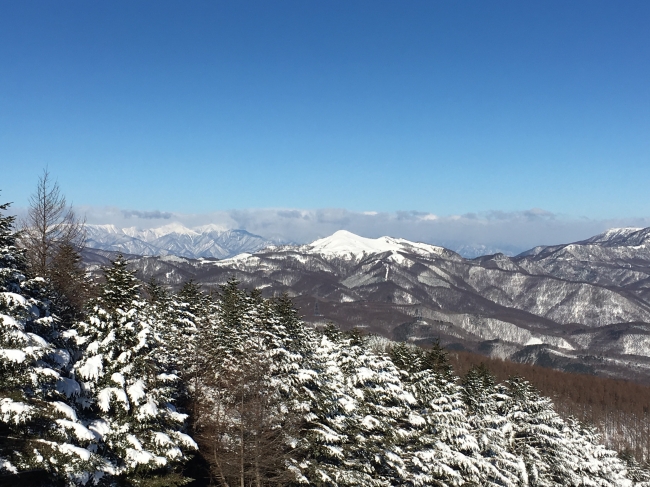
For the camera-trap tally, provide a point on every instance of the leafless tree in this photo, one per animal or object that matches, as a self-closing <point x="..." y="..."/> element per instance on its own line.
<point x="242" y="425"/>
<point x="53" y="237"/>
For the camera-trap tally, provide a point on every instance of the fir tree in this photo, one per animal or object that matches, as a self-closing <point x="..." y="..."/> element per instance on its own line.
<point x="127" y="395"/>
<point x="191" y="309"/>
<point x="444" y="451"/>
<point x="161" y="314"/>
<point x="157" y="294"/>
<point x="322" y="460"/>
<point x="294" y="329"/>
<point x="39" y="425"/>
<point x="180" y="319"/>
<point x="407" y="357"/>
<point x="244" y="417"/>
<point x="436" y="360"/>
<point x="381" y="420"/>
<point x="538" y="437"/>
<point x="226" y="338"/>
<point x="594" y="464"/>
<point x="491" y="430"/>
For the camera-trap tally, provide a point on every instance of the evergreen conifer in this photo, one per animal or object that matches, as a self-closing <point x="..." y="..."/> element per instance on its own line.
<point x="39" y="425"/>
<point x="127" y="394"/>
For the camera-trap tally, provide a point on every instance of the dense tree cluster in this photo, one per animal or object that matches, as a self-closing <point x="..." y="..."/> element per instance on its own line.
<point x="145" y="379"/>
<point x="83" y="402"/>
<point x="618" y="409"/>
<point x="39" y="424"/>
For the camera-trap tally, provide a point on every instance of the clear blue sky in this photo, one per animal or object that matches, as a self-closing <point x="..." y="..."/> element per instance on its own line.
<point x="444" y="107"/>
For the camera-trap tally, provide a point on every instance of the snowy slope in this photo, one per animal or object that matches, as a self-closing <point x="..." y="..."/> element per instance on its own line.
<point x="620" y="236"/>
<point x="617" y="257"/>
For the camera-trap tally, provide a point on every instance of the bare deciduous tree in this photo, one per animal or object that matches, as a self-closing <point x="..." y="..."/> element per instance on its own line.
<point x="50" y="224"/>
<point x="53" y="237"/>
<point x="242" y="426"/>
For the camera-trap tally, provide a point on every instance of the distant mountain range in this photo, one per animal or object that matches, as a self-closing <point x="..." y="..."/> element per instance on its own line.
<point x="212" y="241"/>
<point x="208" y="241"/>
<point x="582" y="306"/>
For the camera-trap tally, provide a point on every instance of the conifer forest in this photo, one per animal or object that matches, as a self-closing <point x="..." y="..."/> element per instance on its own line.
<point x="124" y="383"/>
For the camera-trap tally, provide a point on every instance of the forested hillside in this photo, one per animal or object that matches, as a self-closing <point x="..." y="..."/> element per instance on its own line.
<point x="143" y="387"/>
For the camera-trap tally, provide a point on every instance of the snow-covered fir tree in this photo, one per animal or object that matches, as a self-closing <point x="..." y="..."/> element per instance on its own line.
<point x="326" y="459"/>
<point x="555" y="452"/>
<point x="380" y="421"/>
<point x="492" y="430"/>
<point x="445" y="451"/>
<point x="188" y="317"/>
<point x="127" y="395"/>
<point x="161" y="314"/>
<point x="40" y="428"/>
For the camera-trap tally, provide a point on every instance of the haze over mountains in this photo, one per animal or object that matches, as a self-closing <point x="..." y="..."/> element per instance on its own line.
<point x="583" y="306"/>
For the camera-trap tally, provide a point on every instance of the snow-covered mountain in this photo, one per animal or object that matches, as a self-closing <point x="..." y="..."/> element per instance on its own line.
<point x="348" y="246"/>
<point x="617" y="257"/>
<point x="623" y="237"/>
<point x="585" y="304"/>
<point x="208" y="241"/>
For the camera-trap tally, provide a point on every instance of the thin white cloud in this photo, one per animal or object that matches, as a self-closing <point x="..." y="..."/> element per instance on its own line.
<point x="147" y="215"/>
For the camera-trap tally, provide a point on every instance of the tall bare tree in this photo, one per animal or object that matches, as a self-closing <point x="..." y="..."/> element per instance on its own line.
<point x="53" y="236"/>
<point x="242" y="425"/>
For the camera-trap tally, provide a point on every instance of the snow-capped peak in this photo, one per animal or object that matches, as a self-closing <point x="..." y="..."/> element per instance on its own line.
<point x="175" y="227"/>
<point x="209" y="241"/>
<point x="343" y="241"/>
<point x="211" y="227"/>
<point x="348" y="245"/>
<point x="616" y="232"/>
<point x="149" y="233"/>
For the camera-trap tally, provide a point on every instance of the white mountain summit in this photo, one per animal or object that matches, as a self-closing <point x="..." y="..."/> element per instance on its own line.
<point x="343" y="246"/>
<point x="347" y="245"/>
<point x="212" y="241"/>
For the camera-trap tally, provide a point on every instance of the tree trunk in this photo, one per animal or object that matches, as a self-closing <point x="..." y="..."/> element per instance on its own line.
<point x="241" y="444"/>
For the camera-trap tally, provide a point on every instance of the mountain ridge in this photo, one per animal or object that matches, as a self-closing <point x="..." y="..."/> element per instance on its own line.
<point x="206" y="241"/>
